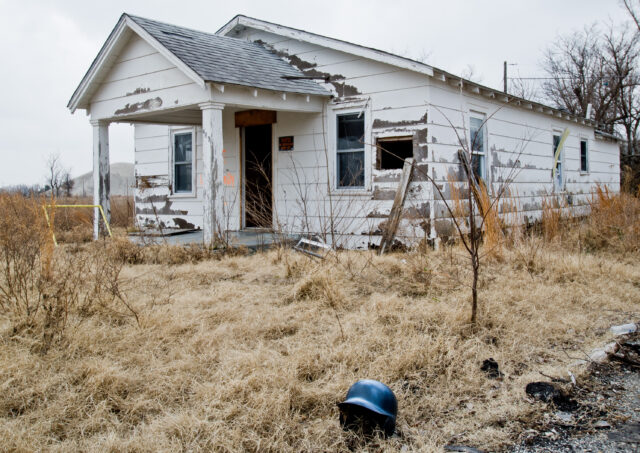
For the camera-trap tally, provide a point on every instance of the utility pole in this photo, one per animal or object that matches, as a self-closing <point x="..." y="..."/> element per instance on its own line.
<point x="505" y="76"/>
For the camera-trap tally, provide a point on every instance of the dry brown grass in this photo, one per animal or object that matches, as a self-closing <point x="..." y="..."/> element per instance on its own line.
<point x="614" y="222"/>
<point x="72" y="225"/>
<point x="252" y="353"/>
<point x="246" y="353"/>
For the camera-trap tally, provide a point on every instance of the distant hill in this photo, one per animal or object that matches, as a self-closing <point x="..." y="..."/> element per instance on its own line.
<point x="122" y="181"/>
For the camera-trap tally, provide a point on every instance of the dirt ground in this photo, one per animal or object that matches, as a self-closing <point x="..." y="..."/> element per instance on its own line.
<point x="252" y="353"/>
<point x="607" y="418"/>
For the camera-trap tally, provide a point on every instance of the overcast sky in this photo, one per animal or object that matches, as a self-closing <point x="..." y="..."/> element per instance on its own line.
<point x="46" y="47"/>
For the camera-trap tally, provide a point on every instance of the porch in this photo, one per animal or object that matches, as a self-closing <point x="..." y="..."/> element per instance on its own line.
<point x="251" y="239"/>
<point x="150" y="73"/>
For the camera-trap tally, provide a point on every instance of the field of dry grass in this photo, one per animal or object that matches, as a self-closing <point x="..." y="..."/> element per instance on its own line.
<point x="252" y="353"/>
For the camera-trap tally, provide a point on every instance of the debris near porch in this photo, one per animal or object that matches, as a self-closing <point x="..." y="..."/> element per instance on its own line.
<point x="314" y="247"/>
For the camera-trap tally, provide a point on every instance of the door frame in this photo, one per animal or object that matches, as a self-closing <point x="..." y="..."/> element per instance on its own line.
<point x="243" y="210"/>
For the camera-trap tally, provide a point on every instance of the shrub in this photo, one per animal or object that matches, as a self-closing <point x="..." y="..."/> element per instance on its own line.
<point x="42" y="285"/>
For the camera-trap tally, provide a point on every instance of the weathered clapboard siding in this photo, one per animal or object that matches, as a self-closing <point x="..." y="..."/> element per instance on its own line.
<point x="396" y="103"/>
<point x="519" y="144"/>
<point x="142" y="79"/>
<point x="153" y="188"/>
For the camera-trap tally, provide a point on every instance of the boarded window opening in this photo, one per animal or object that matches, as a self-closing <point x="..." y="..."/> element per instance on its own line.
<point x="584" y="159"/>
<point x="392" y="152"/>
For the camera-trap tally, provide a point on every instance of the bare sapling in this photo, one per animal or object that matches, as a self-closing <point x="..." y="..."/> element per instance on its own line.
<point x="474" y="210"/>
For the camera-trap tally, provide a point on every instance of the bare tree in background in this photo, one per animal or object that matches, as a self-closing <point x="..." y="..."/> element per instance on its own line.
<point x="54" y="173"/>
<point x="601" y="69"/>
<point x="469" y="73"/>
<point x="524" y="88"/>
<point x="633" y="8"/>
<point x="67" y="183"/>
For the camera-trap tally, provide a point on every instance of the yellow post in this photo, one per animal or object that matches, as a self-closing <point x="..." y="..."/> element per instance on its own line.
<point x="46" y="214"/>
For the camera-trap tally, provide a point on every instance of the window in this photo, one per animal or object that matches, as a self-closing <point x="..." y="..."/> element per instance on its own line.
<point x="183" y="162"/>
<point x="350" y="150"/>
<point x="584" y="159"/>
<point x="393" y="151"/>
<point x="477" y="136"/>
<point x="557" y="181"/>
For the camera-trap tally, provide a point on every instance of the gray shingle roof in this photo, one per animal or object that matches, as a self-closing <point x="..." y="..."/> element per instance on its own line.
<point x="224" y="59"/>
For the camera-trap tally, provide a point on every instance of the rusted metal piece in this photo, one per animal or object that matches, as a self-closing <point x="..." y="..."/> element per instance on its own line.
<point x="398" y="203"/>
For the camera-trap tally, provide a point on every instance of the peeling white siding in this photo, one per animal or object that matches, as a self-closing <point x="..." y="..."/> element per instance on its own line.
<point x="396" y="102"/>
<point x="142" y="79"/>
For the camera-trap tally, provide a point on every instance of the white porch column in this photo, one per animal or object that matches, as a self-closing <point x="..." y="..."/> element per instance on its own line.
<point x="101" y="174"/>
<point x="212" y="172"/>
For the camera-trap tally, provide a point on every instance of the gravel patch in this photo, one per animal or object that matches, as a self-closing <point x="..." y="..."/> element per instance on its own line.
<point x="608" y="419"/>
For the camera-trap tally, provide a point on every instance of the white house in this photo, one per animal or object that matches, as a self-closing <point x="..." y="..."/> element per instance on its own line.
<point x="262" y="125"/>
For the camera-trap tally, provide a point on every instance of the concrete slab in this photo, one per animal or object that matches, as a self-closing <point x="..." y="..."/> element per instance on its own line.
<point x="254" y="240"/>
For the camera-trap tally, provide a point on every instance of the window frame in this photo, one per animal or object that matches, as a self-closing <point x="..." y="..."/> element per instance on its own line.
<point x="172" y="164"/>
<point x="391" y="138"/>
<point x="483" y="119"/>
<point x="558" y="133"/>
<point x="586" y="158"/>
<point x="358" y="107"/>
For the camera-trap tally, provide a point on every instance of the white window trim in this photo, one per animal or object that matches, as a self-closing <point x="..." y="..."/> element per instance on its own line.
<point x="588" y="170"/>
<point x="194" y="151"/>
<point x="332" y="142"/>
<point x="485" y="139"/>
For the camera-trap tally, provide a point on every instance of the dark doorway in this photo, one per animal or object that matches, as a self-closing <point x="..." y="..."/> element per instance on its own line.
<point x="257" y="177"/>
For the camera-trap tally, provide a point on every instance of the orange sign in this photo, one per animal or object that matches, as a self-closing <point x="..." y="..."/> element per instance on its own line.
<point x="285" y="143"/>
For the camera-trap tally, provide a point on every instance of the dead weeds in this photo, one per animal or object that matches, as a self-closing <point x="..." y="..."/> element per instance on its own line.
<point x="252" y="352"/>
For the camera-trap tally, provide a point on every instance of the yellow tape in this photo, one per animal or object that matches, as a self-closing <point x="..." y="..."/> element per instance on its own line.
<point x="95" y="206"/>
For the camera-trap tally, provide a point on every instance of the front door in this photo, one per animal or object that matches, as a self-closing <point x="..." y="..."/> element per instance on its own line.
<point x="258" y="195"/>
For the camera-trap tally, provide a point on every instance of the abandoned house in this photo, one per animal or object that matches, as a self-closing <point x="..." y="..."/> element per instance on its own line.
<point x="265" y="126"/>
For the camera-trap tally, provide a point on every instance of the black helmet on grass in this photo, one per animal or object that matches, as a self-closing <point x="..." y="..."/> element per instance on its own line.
<point x="369" y="405"/>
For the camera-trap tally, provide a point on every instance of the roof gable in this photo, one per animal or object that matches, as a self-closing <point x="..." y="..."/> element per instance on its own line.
<point x="223" y="59"/>
<point x="203" y="57"/>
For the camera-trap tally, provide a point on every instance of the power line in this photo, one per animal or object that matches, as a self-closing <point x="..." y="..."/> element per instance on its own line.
<point x="568" y="78"/>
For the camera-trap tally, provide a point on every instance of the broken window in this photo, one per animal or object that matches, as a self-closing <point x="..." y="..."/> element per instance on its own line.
<point x="393" y="151"/>
<point x="350" y="150"/>
<point x="557" y="158"/>
<point x="477" y="137"/>
<point x="584" y="158"/>
<point x="183" y="162"/>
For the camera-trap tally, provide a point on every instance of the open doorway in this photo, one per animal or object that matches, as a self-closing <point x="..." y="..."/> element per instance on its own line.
<point x="258" y="194"/>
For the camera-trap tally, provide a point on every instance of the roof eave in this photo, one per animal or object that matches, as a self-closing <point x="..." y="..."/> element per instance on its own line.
<point x="395" y="60"/>
<point x="337" y="44"/>
<point x="482" y="90"/>
<point x="77" y="97"/>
